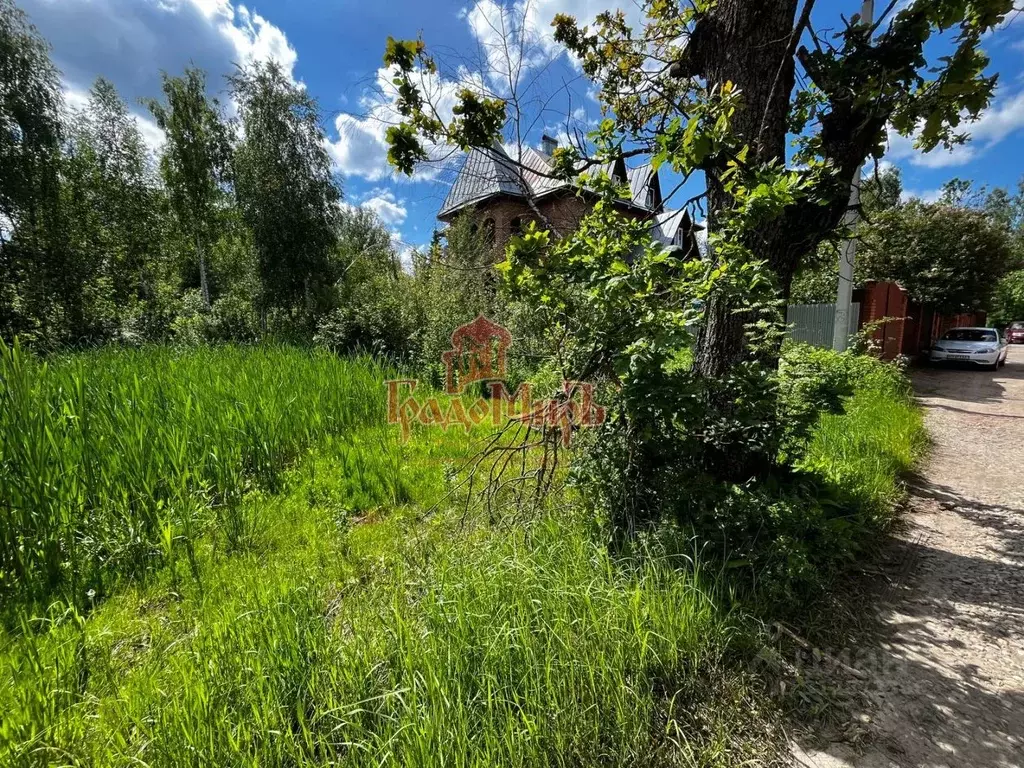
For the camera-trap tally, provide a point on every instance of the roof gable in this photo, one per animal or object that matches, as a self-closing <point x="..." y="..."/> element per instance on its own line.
<point x="642" y="179"/>
<point x="491" y="172"/>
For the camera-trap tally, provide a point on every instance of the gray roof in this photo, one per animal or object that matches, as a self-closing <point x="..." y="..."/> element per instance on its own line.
<point x="639" y="180"/>
<point x="486" y="173"/>
<point x="667" y="225"/>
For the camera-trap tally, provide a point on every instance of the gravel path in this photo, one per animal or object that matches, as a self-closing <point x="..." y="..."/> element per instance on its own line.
<point x="946" y="686"/>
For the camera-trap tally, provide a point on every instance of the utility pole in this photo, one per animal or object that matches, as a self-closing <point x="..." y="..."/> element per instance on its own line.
<point x="848" y="252"/>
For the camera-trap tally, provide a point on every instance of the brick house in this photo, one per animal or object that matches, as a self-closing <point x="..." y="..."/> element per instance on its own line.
<point x="498" y="189"/>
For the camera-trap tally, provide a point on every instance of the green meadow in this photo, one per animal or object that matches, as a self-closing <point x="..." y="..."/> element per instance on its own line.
<point x="225" y="556"/>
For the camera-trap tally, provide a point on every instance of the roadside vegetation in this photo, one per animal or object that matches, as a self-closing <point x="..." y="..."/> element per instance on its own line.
<point x="960" y="253"/>
<point x="278" y="596"/>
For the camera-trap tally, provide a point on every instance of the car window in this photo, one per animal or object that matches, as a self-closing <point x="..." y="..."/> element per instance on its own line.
<point x="970" y="334"/>
<point x="1018" y="326"/>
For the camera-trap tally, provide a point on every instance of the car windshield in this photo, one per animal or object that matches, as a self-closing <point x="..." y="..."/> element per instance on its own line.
<point x="969" y="334"/>
<point x="1017" y="326"/>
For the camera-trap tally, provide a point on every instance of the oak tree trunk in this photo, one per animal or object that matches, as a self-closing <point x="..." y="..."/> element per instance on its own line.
<point x="747" y="43"/>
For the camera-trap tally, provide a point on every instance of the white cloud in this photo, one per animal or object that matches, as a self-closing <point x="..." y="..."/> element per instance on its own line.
<point x="540" y="13"/>
<point x="255" y="38"/>
<point x="509" y="41"/>
<point x="361" y="147"/>
<point x="151" y="133"/>
<point x="1013" y="18"/>
<point x="868" y="171"/>
<point x="500" y="28"/>
<point x="1001" y="120"/>
<point x="130" y="41"/>
<point x="76" y="98"/>
<point x="925" y="196"/>
<point x="388" y="209"/>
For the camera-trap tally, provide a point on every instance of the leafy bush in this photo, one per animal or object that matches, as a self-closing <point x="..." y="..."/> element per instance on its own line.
<point x="853" y="432"/>
<point x="847" y="430"/>
<point x="813" y="380"/>
<point x="375" y="315"/>
<point x="189" y="327"/>
<point x="232" y="318"/>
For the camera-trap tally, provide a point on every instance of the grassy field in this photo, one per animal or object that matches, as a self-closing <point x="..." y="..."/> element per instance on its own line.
<point x="220" y="557"/>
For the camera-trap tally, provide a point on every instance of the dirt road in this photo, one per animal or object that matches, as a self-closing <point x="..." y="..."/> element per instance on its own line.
<point x="947" y="690"/>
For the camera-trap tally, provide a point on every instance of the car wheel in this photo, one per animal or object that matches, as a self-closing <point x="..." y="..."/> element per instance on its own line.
<point x="1002" y="363"/>
<point x="993" y="367"/>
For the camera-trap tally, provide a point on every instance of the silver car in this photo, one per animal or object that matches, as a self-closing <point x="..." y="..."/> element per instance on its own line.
<point x="980" y="346"/>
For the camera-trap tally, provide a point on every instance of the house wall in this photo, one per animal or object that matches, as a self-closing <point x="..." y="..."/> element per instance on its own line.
<point x="564" y="211"/>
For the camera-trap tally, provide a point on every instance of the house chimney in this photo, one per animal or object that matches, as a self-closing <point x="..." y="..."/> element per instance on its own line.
<point x="548" y="145"/>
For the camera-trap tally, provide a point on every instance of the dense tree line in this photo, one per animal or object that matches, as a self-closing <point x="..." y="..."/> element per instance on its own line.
<point x="235" y="230"/>
<point x="961" y="252"/>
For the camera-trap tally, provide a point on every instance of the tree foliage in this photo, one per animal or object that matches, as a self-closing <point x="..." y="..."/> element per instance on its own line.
<point x="30" y="135"/>
<point x="712" y="88"/>
<point x="30" y="107"/>
<point x="118" y="184"/>
<point x="285" y="187"/>
<point x="195" y="160"/>
<point x="1008" y="302"/>
<point x="948" y="257"/>
<point x="375" y="310"/>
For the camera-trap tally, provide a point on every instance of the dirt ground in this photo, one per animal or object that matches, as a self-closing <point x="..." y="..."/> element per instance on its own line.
<point x="944" y="676"/>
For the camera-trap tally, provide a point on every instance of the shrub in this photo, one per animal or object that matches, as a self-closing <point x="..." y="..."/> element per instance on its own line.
<point x="375" y="316"/>
<point x="848" y="430"/>
<point x="232" y="318"/>
<point x="189" y="326"/>
<point x="813" y="380"/>
<point x="854" y="431"/>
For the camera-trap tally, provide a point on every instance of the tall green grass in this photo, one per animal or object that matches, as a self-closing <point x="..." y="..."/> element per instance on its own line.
<point x="867" y="450"/>
<point x="299" y="609"/>
<point x="114" y="461"/>
<point x="533" y="648"/>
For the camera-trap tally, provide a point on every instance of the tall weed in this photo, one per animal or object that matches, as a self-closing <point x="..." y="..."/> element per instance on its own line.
<point x="114" y="461"/>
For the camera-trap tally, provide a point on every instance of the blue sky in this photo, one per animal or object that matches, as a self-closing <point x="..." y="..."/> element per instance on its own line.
<point x="334" y="48"/>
